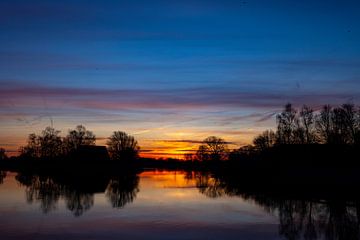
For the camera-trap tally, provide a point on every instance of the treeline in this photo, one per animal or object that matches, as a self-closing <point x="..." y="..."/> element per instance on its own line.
<point x="330" y="126"/>
<point x="305" y="126"/>
<point x="339" y="125"/>
<point x="50" y="145"/>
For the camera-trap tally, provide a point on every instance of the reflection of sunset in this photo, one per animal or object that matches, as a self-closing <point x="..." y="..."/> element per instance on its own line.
<point x="168" y="179"/>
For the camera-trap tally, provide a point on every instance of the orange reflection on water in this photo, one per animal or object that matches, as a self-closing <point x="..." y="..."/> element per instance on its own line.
<point x="168" y="179"/>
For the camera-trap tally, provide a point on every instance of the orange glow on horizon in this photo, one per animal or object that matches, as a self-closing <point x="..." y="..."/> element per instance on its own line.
<point x="172" y="146"/>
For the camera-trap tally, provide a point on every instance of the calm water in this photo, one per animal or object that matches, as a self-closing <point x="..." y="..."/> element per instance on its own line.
<point x="161" y="205"/>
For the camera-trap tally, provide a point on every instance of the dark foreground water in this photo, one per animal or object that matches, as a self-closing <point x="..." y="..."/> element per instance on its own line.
<point x="162" y="205"/>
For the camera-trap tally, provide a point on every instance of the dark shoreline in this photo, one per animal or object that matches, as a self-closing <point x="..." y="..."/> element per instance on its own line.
<point x="283" y="167"/>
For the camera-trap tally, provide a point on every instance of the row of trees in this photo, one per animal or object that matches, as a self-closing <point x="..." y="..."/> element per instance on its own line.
<point x="49" y="144"/>
<point x="211" y="149"/>
<point x="330" y="125"/>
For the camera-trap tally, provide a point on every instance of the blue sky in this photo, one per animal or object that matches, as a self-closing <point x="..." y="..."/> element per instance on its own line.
<point x="172" y="70"/>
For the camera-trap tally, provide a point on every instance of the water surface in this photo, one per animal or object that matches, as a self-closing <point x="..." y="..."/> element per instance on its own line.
<point x="161" y="205"/>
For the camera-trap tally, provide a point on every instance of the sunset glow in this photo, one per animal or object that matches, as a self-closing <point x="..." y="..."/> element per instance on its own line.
<point x="171" y="72"/>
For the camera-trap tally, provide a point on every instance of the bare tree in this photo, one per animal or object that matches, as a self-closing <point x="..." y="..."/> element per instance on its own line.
<point x="122" y="146"/>
<point x="357" y="130"/>
<point x="47" y="145"/>
<point x="50" y="143"/>
<point x="265" y="140"/>
<point x="286" y="122"/>
<point x="202" y="154"/>
<point x="214" y="148"/>
<point x="350" y="122"/>
<point x="324" y="124"/>
<point x="307" y="121"/>
<point x="77" y="137"/>
<point x="32" y="149"/>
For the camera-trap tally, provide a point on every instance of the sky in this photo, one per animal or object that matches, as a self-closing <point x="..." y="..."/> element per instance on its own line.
<point x="171" y="72"/>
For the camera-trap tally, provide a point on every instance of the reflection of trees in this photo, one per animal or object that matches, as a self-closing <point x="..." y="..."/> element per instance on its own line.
<point x="78" y="203"/>
<point x="47" y="191"/>
<point x="40" y="189"/>
<point x="122" y="190"/>
<point x="78" y="191"/>
<point x="2" y="176"/>
<point x="307" y="219"/>
<point x="209" y="186"/>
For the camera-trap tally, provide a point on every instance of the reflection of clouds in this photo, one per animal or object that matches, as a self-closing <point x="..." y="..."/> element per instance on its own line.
<point x="147" y="99"/>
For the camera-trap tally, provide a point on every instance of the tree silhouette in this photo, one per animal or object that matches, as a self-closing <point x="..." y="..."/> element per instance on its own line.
<point x="213" y="148"/>
<point x="350" y="121"/>
<point x="324" y="125"/>
<point x="339" y="125"/>
<point x="50" y="143"/>
<point x="32" y="149"/>
<point x="77" y="137"/>
<point x="47" y="145"/>
<point x="122" y="146"/>
<point x="265" y="140"/>
<point x="307" y="121"/>
<point x="202" y="153"/>
<point x="286" y="124"/>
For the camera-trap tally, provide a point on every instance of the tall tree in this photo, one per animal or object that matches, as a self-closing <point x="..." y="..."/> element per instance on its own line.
<point x="122" y="146"/>
<point x="286" y="124"/>
<point x="357" y="130"/>
<point x="324" y="124"/>
<point x="50" y="143"/>
<point x="307" y="121"/>
<point x="350" y="121"/>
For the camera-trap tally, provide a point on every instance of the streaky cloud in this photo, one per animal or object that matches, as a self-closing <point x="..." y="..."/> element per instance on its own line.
<point x="181" y="98"/>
